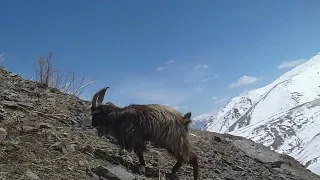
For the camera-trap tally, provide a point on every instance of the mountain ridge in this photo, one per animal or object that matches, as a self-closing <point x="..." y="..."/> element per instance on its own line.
<point x="291" y="93"/>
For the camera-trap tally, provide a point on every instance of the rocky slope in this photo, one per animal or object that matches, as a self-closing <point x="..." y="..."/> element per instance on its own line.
<point x="282" y="115"/>
<point x="44" y="134"/>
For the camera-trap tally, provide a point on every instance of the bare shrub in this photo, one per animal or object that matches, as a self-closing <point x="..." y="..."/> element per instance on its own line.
<point x="1" y="60"/>
<point x="65" y="81"/>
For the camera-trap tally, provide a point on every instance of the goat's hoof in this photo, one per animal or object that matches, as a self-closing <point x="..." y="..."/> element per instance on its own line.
<point x="142" y="170"/>
<point x="172" y="176"/>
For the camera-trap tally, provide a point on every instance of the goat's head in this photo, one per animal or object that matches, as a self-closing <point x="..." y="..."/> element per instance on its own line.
<point x="100" y="112"/>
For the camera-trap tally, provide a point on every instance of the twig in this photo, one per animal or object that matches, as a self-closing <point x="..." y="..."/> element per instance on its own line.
<point x="66" y="83"/>
<point x="61" y="157"/>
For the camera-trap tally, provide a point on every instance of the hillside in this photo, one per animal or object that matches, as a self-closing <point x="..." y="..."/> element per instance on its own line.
<point x="45" y="134"/>
<point x="282" y="115"/>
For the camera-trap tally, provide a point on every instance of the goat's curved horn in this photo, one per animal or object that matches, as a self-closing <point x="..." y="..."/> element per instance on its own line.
<point x="99" y="95"/>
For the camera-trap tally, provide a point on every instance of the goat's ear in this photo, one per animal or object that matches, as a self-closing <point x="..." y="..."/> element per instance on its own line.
<point x="187" y="115"/>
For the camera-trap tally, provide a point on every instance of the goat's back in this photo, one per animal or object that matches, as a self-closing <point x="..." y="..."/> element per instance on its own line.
<point x="162" y="126"/>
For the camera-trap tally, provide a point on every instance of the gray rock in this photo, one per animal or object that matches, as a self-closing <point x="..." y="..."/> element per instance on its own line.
<point x="2" y="112"/>
<point x="57" y="146"/>
<point x="25" y="104"/>
<point x="44" y="125"/>
<point x="28" y="129"/>
<point x="81" y="163"/>
<point x="11" y="104"/>
<point x="1" y="109"/>
<point x="13" y="74"/>
<point x="3" y="134"/>
<point x="51" y="101"/>
<point x="113" y="173"/>
<point x="71" y="147"/>
<point x="64" y="150"/>
<point x="31" y="175"/>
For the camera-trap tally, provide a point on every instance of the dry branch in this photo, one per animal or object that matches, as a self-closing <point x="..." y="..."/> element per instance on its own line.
<point x="1" y="59"/>
<point x="66" y="81"/>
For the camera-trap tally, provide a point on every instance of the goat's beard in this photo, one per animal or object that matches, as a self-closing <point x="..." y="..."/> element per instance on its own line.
<point x="105" y="131"/>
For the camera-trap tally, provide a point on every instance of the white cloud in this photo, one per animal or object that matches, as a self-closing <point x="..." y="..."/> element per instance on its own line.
<point x="244" y="80"/>
<point x="185" y="107"/>
<point x="176" y="107"/>
<point x="166" y="96"/>
<point x="214" y="98"/>
<point x="288" y="64"/>
<point x="170" y="62"/>
<point x="243" y="93"/>
<point x="221" y="100"/>
<point x="210" y="78"/>
<point x="213" y="111"/>
<point x="180" y="107"/>
<point x="199" y="66"/>
<point x="199" y="89"/>
<point x="159" y="69"/>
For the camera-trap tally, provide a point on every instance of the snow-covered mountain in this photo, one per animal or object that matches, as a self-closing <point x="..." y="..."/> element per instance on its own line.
<point x="284" y="115"/>
<point x="199" y="121"/>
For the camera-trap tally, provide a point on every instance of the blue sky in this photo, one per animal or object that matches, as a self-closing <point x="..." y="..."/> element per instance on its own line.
<point x="182" y="53"/>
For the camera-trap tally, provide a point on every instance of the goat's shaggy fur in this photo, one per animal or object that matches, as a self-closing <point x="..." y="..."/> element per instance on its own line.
<point x="134" y="125"/>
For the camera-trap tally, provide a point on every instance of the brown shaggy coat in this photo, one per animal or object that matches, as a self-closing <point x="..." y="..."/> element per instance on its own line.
<point x="134" y="125"/>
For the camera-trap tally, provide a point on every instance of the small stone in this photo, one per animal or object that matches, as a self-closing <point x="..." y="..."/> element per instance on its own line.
<point x="237" y="168"/>
<point x="31" y="175"/>
<point x="21" y="114"/>
<point x="28" y="129"/>
<point x="51" y="101"/>
<point x="81" y="163"/>
<point x="25" y="104"/>
<point x="216" y="138"/>
<point x="13" y="74"/>
<point x="64" y="150"/>
<point x="217" y="171"/>
<point x="57" y="146"/>
<point x="276" y="164"/>
<point x="229" y="178"/>
<point x="1" y="111"/>
<point x="3" y="134"/>
<point x="71" y="147"/>
<point x="65" y="134"/>
<point x="44" y="125"/>
<point x="11" y="104"/>
<point x="113" y="172"/>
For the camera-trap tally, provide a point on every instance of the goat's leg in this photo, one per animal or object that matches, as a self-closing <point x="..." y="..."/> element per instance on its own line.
<point x="139" y="153"/>
<point x="177" y="166"/>
<point x="194" y="162"/>
<point x="125" y="147"/>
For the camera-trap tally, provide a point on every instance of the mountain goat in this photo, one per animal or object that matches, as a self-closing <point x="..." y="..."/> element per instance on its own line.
<point x="134" y="125"/>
